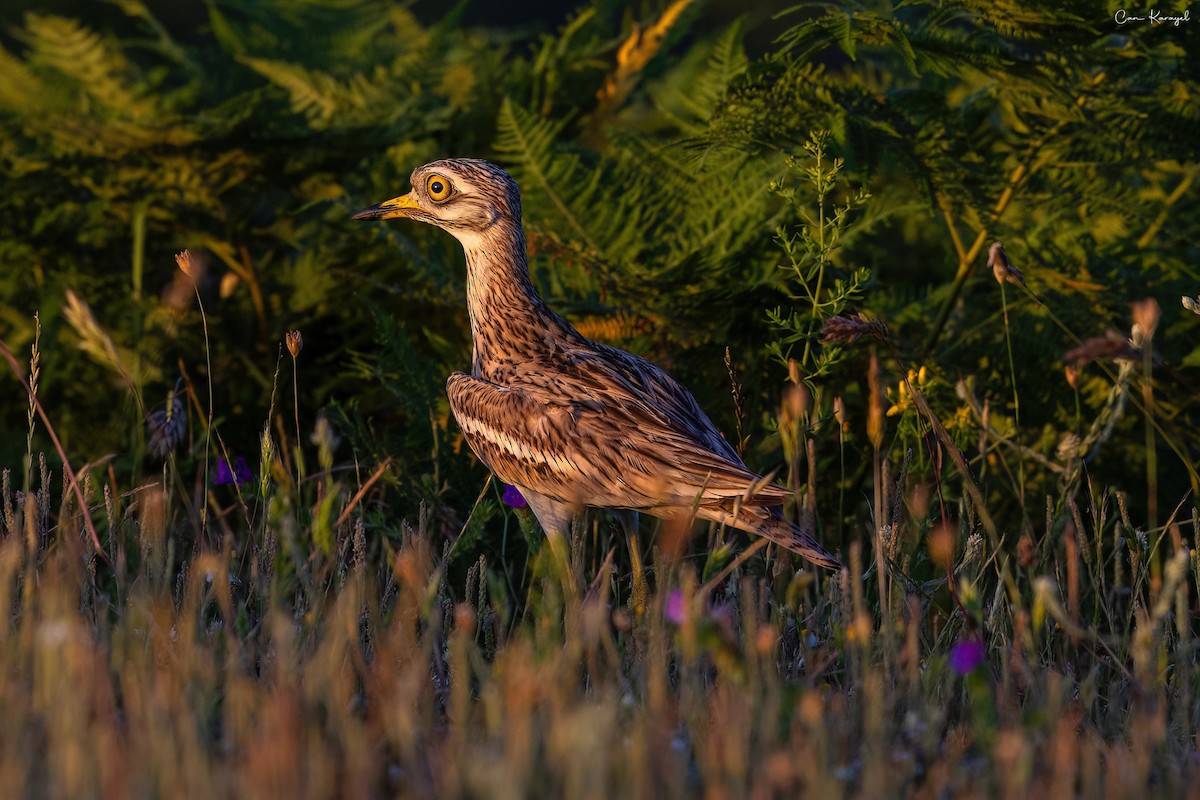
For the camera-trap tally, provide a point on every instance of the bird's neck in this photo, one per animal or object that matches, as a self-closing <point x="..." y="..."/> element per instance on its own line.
<point x="509" y="321"/>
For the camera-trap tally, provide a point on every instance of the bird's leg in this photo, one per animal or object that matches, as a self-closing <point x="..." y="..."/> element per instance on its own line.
<point x="560" y="548"/>
<point x="555" y="518"/>
<point x="627" y="519"/>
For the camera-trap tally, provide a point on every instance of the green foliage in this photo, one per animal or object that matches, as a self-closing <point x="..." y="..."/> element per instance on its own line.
<point x="822" y="291"/>
<point x="691" y="213"/>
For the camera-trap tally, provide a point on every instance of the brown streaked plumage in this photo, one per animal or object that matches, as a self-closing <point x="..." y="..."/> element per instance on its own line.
<point x="569" y="422"/>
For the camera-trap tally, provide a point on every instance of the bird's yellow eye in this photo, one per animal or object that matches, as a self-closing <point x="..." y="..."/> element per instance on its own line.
<point x="438" y="188"/>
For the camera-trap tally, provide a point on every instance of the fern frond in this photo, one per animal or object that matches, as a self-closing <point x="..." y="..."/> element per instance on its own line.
<point x="96" y="70"/>
<point x="19" y="87"/>
<point x="615" y="328"/>
<point x="726" y="63"/>
<point x="318" y="95"/>
<point x="527" y="142"/>
<point x="691" y="90"/>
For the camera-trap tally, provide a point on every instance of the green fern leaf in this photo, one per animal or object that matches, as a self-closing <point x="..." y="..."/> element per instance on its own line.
<point x="96" y="70"/>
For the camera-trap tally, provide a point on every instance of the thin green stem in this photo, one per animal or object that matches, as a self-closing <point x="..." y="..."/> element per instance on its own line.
<point x="208" y="428"/>
<point x="1012" y="370"/>
<point x="138" y="257"/>
<point x="816" y="295"/>
<point x="881" y="574"/>
<point x="296" y="417"/>
<point x="34" y="370"/>
<point x="841" y="484"/>
<point x="266" y="450"/>
<point x="1151" y="443"/>
<point x="137" y="271"/>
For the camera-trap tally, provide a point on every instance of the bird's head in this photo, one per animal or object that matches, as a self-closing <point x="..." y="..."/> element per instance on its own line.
<point x="465" y="196"/>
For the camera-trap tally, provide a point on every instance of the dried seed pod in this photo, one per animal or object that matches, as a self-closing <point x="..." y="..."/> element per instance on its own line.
<point x="1025" y="551"/>
<point x="1002" y="270"/>
<point x="184" y="262"/>
<point x="295" y="342"/>
<point x="941" y="545"/>
<point x="875" y="406"/>
<point x="847" y="329"/>
<point x="1146" y="314"/>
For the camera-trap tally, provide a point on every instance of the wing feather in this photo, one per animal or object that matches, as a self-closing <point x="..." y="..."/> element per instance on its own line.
<point x="608" y="449"/>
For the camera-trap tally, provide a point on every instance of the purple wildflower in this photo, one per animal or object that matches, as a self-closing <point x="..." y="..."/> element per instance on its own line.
<point x="512" y="496"/>
<point x="238" y="474"/>
<point x="966" y="656"/>
<point x="673" y="608"/>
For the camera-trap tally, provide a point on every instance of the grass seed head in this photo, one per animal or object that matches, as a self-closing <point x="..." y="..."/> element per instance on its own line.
<point x="1146" y="314"/>
<point x="846" y="329"/>
<point x="1111" y="345"/>
<point x="1002" y="270"/>
<point x="167" y="426"/>
<point x="797" y="402"/>
<point x="1026" y="551"/>
<point x="266" y="457"/>
<point x="941" y="545"/>
<point x="184" y="262"/>
<point x="875" y="407"/>
<point x="326" y="441"/>
<point x="974" y="549"/>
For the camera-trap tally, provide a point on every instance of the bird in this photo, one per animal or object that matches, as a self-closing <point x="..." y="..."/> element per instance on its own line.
<point x="571" y="423"/>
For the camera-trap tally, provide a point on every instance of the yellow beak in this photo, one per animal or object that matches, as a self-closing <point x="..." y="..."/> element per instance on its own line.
<point x="396" y="207"/>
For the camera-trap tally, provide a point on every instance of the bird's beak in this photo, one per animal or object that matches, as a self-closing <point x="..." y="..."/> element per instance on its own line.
<point x="396" y="207"/>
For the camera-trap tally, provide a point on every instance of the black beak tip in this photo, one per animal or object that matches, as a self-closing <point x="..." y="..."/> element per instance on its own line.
<point x="370" y="212"/>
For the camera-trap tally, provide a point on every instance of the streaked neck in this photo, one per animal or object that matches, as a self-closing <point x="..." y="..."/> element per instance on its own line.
<point x="509" y="321"/>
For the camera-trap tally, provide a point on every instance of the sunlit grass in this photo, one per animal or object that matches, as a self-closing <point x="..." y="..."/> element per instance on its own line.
<point x="239" y="671"/>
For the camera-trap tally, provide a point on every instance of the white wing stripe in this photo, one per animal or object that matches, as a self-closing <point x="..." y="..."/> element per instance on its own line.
<point x="504" y="441"/>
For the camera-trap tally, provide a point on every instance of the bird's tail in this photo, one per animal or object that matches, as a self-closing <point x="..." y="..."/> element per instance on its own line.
<point x="769" y="524"/>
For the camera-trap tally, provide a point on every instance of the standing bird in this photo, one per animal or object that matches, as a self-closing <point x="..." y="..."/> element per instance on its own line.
<point x="571" y="423"/>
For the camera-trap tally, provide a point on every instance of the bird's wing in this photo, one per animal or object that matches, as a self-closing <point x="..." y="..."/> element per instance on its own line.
<point x="595" y="448"/>
<point x="657" y="389"/>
